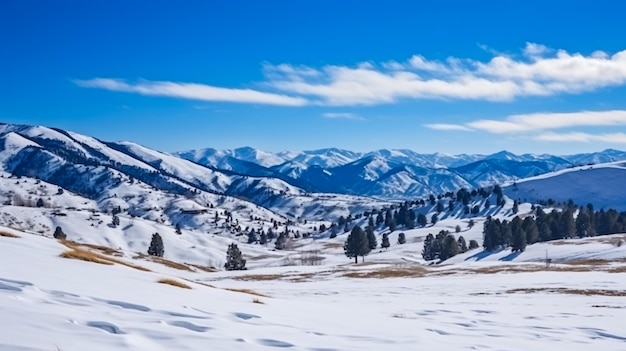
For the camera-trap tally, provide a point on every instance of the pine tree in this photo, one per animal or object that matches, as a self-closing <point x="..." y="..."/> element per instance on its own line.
<point x="462" y="244"/>
<point x="58" y="233"/>
<point x="457" y="228"/>
<point x="234" y="260"/>
<point x="434" y="219"/>
<point x="281" y="242"/>
<point x="115" y="221"/>
<point x="401" y="238"/>
<point x="40" y="202"/>
<point x="428" y="253"/>
<point x="156" y="246"/>
<point x="532" y="232"/>
<point x="263" y="238"/>
<point x="356" y="245"/>
<point x="515" y="207"/>
<point x="385" y="242"/>
<point x="450" y="247"/>
<point x="178" y="231"/>
<point x="252" y="237"/>
<point x="473" y="244"/>
<point x="519" y="240"/>
<point x="392" y="225"/>
<point x="422" y="220"/>
<point x="371" y="237"/>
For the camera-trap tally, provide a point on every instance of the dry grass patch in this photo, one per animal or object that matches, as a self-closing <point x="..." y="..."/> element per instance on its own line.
<point x="258" y="301"/>
<point x="333" y="245"/>
<point x="84" y="255"/>
<point x="620" y="269"/>
<point x="567" y="242"/>
<point x="587" y="262"/>
<point x="104" y="249"/>
<point x="570" y="291"/>
<point x="174" y="282"/>
<point x="204" y="268"/>
<point x="413" y="272"/>
<point x="259" y="277"/>
<point x="246" y="291"/>
<point x="8" y="235"/>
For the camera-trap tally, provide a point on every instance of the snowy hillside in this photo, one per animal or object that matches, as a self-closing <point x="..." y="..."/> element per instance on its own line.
<point x="475" y="301"/>
<point x="602" y="185"/>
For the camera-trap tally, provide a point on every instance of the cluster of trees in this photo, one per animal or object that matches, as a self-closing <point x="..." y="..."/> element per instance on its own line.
<point x="444" y="245"/>
<point x="555" y="225"/>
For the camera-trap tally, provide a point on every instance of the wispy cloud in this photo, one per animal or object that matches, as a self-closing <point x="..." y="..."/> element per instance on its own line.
<point x="547" y="120"/>
<point x="535" y="71"/>
<point x="193" y="91"/>
<point x="534" y="123"/>
<point x="341" y="115"/>
<point x="448" y="127"/>
<point x="614" y="138"/>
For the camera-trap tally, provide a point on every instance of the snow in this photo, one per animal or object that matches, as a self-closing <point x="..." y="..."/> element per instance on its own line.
<point x="602" y="185"/>
<point x="78" y="305"/>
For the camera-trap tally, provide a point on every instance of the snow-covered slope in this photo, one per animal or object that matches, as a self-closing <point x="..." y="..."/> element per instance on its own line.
<point x="601" y="185"/>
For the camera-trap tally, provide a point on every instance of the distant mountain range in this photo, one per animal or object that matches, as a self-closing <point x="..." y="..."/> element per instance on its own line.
<point x="391" y="174"/>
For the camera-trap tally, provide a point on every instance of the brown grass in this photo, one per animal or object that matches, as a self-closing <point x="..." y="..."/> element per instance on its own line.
<point x="204" y="268"/>
<point x="333" y="245"/>
<point x="259" y="277"/>
<point x="84" y="255"/>
<point x="412" y="272"/>
<point x="173" y="282"/>
<point x="569" y="291"/>
<point x="246" y="291"/>
<point x="79" y="253"/>
<point x="165" y="262"/>
<point x="258" y="301"/>
<point x="8" y="235"/>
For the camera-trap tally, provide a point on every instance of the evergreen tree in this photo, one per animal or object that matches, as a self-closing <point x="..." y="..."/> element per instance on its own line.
<point x="156" y="246"/>
<point x="439" y="207"/>
<point x="263" y="238"/>
<point x="451" y="206"/>
<point x="379" y="219"/>
<point x="532" y="232"/>
<point x="457" y="228"/>
<point x="476" y="209"/>
<point x="385" y="242"/>
<point x="401" y="238"/>
<point x="356" y="245"/>
<point x="370" y="222"/>
<point x="568" y="225"/>
<point x="450" y="247"/>
<point x="428" y="252"/>
<point x="40" y="202"/>
<point x="234" y="260"/>
<point x="371" y="237"/>
<point x="434" y="219"/>
<point x="422" y="220"/>
<point x="519" y="240"/>
<point x="473" y="244"/>
<point x="115" y="221"/>
<point x="58" y="234"/>
<point x="462" y="244"/>
<point x="583" y="222"/>
<point x="470" y="224"/>
<point x="281" y="242"/>
<point x="392" y="225"/>
<point x="515" y="207"/>
<point x="252" y="237"/>
<point x="178" y="231"/>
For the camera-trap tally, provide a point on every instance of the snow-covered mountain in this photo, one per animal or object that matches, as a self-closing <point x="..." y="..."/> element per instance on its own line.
<point x="392" y="174"/>
<point x="96" y="170"/>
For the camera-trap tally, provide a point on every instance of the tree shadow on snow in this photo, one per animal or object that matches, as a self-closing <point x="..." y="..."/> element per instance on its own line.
<point x="482" y="254"/>
<point x="510" y="257"/>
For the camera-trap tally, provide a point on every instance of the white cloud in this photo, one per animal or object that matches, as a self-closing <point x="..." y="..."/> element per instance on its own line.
<point x="193" y="91"/>
<point x="448" y="127"/>
<point x="341" y="115"/>
<point x="536" y="71"/>
<point x="548" y="120"/>
<point x="614" y="138"/>
<point x="539" y="71"/>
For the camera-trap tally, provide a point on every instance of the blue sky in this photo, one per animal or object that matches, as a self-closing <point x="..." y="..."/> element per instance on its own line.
<point x="445" y="76"/>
